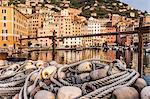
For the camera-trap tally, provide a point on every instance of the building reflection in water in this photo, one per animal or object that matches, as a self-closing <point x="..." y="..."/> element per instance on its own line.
<point x="128" y="58"/>
<point x="147" y="59"/>
<point x="68" y="56"/>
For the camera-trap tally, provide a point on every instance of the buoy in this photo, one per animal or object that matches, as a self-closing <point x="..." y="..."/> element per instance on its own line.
<point x="125" y="93"/>
<point x="69" y="92"/>
<point x="145" y="93"/>
<point x="43" y="94"/>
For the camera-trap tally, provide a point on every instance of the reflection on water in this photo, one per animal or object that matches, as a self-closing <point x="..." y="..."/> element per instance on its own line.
<point x="3" y="56"/>
<point x="73" y="56"/>
<point x="68" y="56"/>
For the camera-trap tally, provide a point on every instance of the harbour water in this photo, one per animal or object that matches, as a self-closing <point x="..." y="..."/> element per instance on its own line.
<point x="71" y="56"/>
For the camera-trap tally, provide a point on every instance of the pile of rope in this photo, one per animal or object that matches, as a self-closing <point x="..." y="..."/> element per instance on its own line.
<point x="95" y="78"/>
<point x="12" y="77"/>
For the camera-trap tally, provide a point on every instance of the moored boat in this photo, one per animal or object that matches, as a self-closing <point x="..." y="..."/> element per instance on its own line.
<point x="15" y="59"/>
<point x="79" y="48"/>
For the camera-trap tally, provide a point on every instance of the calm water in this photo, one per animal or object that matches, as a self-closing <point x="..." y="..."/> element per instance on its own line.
<point x="67" y="57"/>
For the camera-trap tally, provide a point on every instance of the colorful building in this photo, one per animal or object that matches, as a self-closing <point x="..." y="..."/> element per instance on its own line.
<point x="46" y="30"/>
<point x="13" y="26"/>
<point x="115" y="18"/>
<point x="4" y="2"/>
<point x="27" y="10"/>
<point x="112" y="38"/>
<point x="33" y="2"/>
<point x="34" y="23"/>
<point x="96" y="26"/>
<point x="146" y="22"/>
<point x="69" y="24"/>
<point x="86" y="41"/>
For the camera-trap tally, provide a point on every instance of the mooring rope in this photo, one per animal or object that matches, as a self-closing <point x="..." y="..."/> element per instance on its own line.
<point x="68" y="75"/>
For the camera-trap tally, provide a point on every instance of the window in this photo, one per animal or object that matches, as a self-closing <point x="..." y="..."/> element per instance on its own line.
<point x="4" y="17"/>
<point x="4" y="38"/>
<point x="4" y="31"/>
<point x="4" y="25"/>
<point x="3" y="11"/>
<point x="4" y="44"/>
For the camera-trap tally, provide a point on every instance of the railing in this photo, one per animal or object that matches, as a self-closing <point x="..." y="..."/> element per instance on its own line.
<point x="143" y="30"/>
<point x="140" y="31"/>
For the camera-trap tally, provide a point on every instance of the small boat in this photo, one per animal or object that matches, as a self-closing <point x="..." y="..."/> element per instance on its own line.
<point x="79" y="49"/>
<point x="115" y="48"/>
<point x="15" y="59"/>
<point x="147" y="50"/>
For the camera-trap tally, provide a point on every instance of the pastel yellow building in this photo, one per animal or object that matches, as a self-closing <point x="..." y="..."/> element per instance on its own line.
<point x="13" y="25"/>
<point x="147" y="20"/>
<point x="35" y="22"/>
<point x="69" y="24"/>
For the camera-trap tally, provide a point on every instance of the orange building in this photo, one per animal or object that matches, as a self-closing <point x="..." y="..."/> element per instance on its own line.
<point x="110" y="39"/>
<point x="115" y="18"/>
